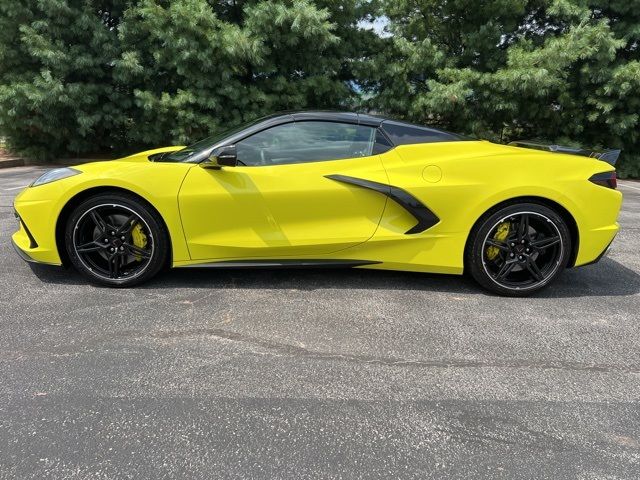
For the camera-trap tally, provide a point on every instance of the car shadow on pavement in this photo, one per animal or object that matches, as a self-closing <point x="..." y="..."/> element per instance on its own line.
<point x="607" y="278"/>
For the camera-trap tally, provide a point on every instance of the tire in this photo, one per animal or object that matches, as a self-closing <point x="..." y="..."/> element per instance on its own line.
<point x="518" y="249"/>
<point x="116" y="240"/>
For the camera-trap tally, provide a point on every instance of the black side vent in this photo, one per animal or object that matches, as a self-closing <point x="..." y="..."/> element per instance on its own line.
<point x="32" y="241"/>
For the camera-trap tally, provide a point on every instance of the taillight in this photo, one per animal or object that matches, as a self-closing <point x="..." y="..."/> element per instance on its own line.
<point x="607" y="179"/>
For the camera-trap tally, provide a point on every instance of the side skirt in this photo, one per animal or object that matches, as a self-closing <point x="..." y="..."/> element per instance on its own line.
<point x="282" y="264"/>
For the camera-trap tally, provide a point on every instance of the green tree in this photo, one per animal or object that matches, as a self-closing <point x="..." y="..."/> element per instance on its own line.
<point x="81" y="76"/>
<point x="196" y="66"/>
<point x="56" y="62"/>
<point x="559" y="70"/>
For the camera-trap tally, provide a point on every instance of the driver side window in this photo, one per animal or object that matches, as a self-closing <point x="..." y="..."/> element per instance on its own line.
<point x="301" y="142"/>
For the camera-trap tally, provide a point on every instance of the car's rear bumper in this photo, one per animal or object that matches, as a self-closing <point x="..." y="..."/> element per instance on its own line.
<point x="600" y="256"/>
<point x="596" y="218"/>
<point x="595" y="243"/>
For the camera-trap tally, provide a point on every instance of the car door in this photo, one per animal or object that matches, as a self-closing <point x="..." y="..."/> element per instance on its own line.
<point x="278" y="201"/>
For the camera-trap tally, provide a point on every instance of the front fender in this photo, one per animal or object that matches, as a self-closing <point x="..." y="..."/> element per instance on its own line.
<point x="158" y="183"/>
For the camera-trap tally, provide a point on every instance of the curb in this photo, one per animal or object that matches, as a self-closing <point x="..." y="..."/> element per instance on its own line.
<point x="12" y="162"/>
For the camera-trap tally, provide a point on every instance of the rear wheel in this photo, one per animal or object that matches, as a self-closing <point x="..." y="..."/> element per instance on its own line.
<point x="518" y="249"/>
<point x="116" y="240"/>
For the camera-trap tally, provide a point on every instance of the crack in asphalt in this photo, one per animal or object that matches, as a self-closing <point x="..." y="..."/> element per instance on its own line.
<point x="291" y="350"/>
<point x="302" y="351"/>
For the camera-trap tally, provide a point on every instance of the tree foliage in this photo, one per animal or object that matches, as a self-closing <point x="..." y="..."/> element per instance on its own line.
<point x="80" y="76"/>
<point x="566" y="71"/>
<point x="56" y="62"/>
<point x="193" y="68"/>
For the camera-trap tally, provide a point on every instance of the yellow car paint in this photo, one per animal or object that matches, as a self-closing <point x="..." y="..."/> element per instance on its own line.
<point x="294" y="211"/>
<point x="40" y="207"/>
<point x="273" y="211"/>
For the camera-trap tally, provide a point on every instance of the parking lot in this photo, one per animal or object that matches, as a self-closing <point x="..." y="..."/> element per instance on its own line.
<point x="318" y="373"/>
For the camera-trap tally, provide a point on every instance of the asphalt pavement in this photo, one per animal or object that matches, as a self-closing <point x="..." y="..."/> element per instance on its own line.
<point x="318" y="373"/>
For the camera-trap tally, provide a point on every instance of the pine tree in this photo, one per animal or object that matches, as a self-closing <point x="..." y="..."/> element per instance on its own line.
<point x="56" y="61"/>
<point x="194" y="68"/>
<point x="559" y="70"/>
<point x="82" y="76"/>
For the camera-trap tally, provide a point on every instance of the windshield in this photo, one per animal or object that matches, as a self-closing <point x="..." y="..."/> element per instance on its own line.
<point x="201" y="149"/>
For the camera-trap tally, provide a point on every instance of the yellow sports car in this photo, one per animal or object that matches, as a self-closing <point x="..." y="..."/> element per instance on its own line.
<point x="316" y="189"/>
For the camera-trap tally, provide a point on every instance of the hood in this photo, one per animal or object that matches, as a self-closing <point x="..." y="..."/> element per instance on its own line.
<point x="144" y="156"/>
<point x="121" y="163"/>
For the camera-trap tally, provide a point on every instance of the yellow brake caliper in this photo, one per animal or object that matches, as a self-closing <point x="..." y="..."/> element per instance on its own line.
<point x="139" y="238"/>
<point x="502" y="232"/>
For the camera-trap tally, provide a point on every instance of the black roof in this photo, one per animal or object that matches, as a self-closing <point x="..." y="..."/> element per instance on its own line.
<point x="331" y="116"/>
<point x="398" y="131"/>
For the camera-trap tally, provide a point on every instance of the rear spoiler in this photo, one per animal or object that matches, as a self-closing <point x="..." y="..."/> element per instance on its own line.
<point x="609" y="156"/>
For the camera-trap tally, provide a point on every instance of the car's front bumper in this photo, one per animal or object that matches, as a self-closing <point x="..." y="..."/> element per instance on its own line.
<point x="21" y="253"/>
<point x="30" y="249"/>
<point x="26" y="255"/>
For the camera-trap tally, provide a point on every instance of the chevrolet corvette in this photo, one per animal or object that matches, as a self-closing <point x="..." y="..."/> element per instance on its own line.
<point x="328" y="189"/>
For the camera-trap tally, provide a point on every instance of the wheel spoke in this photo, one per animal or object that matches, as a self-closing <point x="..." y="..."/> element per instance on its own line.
<point x="505" y="270"/>
<point x="498" y="244"/>
<point x="545" y="243"/>
<point x="99" y="221"/>
<point x="534" y="270"/>
<point x="128" y="225"/>
<point x="114" y="265"/>
<point x="137" y="251"/>
<point x="89" y="247"/>
<point x="523" y="227"/>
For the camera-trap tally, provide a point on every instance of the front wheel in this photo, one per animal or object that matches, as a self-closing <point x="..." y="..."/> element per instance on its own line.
<point x="116" y="240"/>
<point x="518" y="249"/>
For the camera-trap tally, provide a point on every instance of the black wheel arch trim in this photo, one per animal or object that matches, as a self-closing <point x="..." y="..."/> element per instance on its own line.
<point x="425" y="217"/>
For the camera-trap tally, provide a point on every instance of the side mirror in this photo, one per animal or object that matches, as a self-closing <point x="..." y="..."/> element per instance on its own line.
<point x="222" y="157"/>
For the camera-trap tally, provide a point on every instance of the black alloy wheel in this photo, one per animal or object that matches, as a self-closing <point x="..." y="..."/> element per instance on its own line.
<point x="519" y="249"/>
<point x="116" y="240"/>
